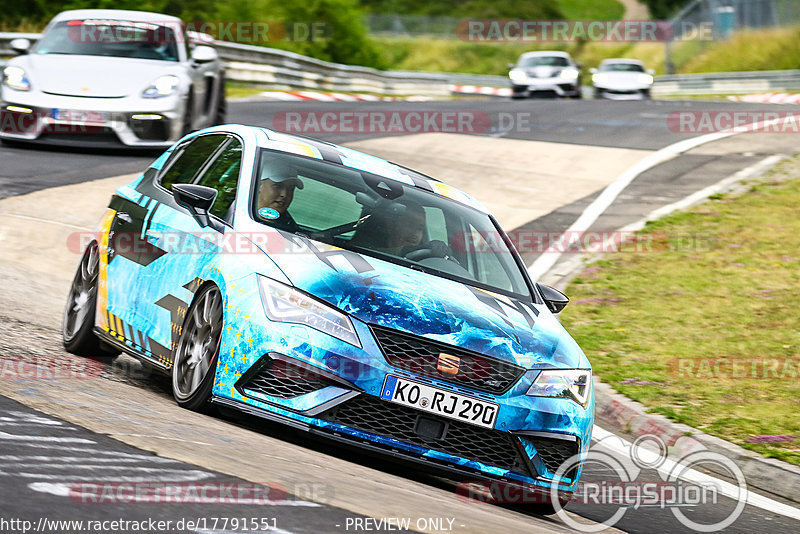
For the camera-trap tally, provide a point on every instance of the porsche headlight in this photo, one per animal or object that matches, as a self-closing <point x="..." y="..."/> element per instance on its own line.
<point x="575" y="384"/>
<point x="15" y="78"/>
<point x="517" y="75"/>
<point x="599" y="78"/>
<point x="161" y="87"/>
<point x="569" y="73"/>
<point x="286" y="304"/>
<point x="644" y="79"/>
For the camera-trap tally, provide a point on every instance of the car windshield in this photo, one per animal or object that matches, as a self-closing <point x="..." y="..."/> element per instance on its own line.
<point x="386" y="218"/>
<point x="113" y="38"/>
<point x="621" y="67"/>
<point x="543" y="61"/>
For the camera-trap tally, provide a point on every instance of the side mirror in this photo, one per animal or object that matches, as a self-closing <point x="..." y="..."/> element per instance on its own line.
<point x="593" y="71"/>
<point x="204" y="54"/>
<point x="20" y="46"/>
<point x="198" y="199"/>
<point x="555" y="299"/>
<point x="651" y="72"/>
<point x="510" y="66"/>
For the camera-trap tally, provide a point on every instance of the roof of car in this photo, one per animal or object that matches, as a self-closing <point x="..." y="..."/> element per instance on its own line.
<point x="546" y="53"/>
<point x="115" y="14"/>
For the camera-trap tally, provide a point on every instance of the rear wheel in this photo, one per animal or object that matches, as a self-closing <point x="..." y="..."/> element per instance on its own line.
<point x="78" y="324"/>
<point x="198" y="350"/>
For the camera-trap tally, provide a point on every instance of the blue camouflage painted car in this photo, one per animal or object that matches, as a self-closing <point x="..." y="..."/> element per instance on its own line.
<point x="333" y="291"/>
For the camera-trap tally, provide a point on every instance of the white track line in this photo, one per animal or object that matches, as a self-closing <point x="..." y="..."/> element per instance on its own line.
<point x="622" y="447"/>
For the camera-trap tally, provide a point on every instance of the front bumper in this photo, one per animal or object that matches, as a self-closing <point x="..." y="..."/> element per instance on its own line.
<point x="332" y="388"/>
<point x="68" y="120"/>
<point x="615" y="92"/>
<point x="559" y="86"/>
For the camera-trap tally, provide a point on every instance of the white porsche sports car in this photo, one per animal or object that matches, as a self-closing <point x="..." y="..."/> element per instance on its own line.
<point x="622" y="79"/>
<point x="105" y="77"/>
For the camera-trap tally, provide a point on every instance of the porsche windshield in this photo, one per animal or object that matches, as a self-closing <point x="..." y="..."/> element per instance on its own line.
<point x="387" y="219"/>
<point x="543" y="61"/>
<point x="113" y="38"/>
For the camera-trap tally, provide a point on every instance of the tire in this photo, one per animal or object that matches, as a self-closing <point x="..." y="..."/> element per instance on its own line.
<point x="221" y="113"/>
<point x="188" y="115"/>
<point x="198" y="351"/>
<point x="77" y="328"/>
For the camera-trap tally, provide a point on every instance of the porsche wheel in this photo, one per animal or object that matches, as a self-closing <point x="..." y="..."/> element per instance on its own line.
<point x="198" y="350"/>
<point x="78" y="323"/>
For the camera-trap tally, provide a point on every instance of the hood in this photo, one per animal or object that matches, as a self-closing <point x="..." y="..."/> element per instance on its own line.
<point x="93" y="76"/>
<point x="381" y="293"/>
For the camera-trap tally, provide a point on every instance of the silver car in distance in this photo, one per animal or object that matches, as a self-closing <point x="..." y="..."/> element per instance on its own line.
<point x="104" y="77"/>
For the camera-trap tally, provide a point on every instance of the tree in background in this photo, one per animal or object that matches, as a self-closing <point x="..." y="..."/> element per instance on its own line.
<point x="663" y="9"/>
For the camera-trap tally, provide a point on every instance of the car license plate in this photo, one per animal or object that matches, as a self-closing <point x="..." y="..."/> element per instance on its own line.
<point x="439" y="401"/>
<point x="77" y="116"/>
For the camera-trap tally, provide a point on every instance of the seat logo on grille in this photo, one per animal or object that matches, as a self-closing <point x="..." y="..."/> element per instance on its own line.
<point x="448" y="363"/>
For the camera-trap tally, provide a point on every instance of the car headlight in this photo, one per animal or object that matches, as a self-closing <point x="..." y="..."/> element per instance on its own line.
<point x="15" y="78"/>
<point x="517" y="75"/>
<point x="644" y="79"/>
<point x="599" y="78"/>
<point x="286" y="304"/>
<point x="161" y="87"/>
<point x="569" y="74"/>
<point x="575" y="384"/>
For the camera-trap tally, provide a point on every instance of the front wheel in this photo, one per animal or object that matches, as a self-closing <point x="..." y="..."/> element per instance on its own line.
<point x="78" y="324"/>
<point x="197" y="351"/>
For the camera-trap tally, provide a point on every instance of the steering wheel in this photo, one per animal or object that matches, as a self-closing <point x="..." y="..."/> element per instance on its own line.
<point x="431" y="249"/>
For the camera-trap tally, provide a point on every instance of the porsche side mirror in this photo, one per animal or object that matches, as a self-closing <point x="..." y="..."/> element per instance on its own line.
<point x="198" y="199"/>
<point x="651" y="72"/>
<point x="593" y="71"/>
<point x="20" y="46"/>
<point x="510" y="66"/>
<point x="553" y="298"/>
<point x="204" y="54"/>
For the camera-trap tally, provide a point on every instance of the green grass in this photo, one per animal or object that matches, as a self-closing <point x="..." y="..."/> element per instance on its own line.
<point x="591" y="9"/>
<point x="772" y="49"/>
<point x="719" y="283"/>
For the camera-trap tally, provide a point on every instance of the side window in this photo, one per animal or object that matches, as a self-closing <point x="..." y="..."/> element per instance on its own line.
<point x="191" y="159"/>
<point x="223" y="175"/>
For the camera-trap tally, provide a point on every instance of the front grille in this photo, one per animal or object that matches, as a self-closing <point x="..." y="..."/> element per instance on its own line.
<point x="373" y="415"/>
<point x="420" y="355"/>
<point x="281" y="379"/>
<point x="554" y="452"/>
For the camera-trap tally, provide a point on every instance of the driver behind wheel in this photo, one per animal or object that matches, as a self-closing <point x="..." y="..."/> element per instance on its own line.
<point x="399" y="230"/>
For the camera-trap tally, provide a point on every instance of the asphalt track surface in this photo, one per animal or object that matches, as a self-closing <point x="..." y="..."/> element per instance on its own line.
<point x="616" y="124"/>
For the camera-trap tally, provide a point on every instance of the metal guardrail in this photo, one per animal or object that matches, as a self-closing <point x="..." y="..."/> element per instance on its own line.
<point x="728" y="83"/>
<point x="279" y="69"/>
